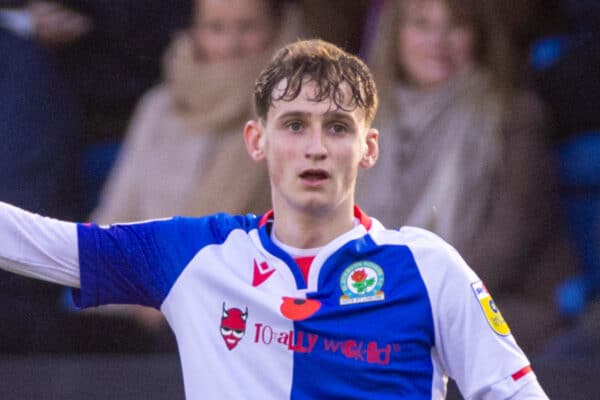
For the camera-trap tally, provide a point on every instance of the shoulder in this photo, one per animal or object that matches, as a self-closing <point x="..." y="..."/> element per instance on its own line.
<point x="416" y="239"/>
<point x="526" y="102"/>
<point x="157" y="96"/>
<point x="525" y="128"/>
<point x="524" y="110"/>
<point x="215" y="226"/>
<point x="176" y="231"/>
<point x="439" y="262"/>
<point x="220" y="225"/>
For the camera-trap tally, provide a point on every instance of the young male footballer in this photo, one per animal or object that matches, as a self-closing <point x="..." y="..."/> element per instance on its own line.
<point x="312" y="300"/>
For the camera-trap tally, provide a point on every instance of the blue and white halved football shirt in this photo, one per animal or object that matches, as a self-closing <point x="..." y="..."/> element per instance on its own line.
<point x="383" y="314"/>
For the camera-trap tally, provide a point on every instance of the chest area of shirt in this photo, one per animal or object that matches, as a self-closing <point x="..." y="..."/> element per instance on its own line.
<point x="367" y="312"/>
<point x="356" y="306"/>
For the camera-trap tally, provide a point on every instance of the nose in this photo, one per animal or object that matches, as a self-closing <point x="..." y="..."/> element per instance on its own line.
<point x="316" y="148"/>
<point x="230" y="46"/>
<point x="439" y="35"/>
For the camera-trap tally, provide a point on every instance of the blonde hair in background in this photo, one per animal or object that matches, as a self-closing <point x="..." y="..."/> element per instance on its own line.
<point x="492" y="49"/>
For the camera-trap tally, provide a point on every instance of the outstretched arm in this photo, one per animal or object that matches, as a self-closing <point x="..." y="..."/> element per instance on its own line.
<point x="38" y="247"/>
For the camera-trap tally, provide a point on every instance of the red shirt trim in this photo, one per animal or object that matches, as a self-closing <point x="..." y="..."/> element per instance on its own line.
<point x="304" y="263"/>
<point x="265" y="218"/>
<point x="363" y="218"/>
<point x="521" y="373"/>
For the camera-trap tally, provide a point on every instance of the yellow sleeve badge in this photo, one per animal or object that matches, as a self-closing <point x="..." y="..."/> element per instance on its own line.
<point x="491" y="312"/>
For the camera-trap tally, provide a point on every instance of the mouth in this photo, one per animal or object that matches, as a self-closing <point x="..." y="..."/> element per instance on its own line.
<point x="314" y="175"/>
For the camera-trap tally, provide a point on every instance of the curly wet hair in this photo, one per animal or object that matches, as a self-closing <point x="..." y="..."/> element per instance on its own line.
<point x="321" y="62"/>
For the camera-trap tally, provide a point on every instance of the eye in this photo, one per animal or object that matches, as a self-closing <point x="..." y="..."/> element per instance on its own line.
<point x="225" y="331"/>
<point x="214" y="27"/>
<point x="295" y="126"/>
<point x="418" y="22"/>
<point x="338" y="128"/>
<point x="247" y="26"/>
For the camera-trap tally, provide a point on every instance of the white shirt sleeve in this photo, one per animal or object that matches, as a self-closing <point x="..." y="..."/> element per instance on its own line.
<point x="38" y="247"/>
<point x="473" y="342"/>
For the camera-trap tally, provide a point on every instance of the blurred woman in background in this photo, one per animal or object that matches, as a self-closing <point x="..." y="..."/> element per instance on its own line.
<point x="462" y="152"/>
<point x="184" y="153"/>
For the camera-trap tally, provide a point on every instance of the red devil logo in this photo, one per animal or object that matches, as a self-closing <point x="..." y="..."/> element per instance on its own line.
<point x="233" y="326"/>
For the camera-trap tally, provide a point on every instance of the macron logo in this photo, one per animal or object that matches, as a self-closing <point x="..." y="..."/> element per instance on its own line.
<point x="261" y="273"/>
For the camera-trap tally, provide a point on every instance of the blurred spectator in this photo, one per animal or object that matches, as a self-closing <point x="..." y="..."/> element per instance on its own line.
<point x="39" y="157"/>
<point x="39" y="126"/>
<point x="184" y="153"/>
<point x="110" y="51"/>
<point x="463" y="153"/>
<point x="567" y="78"/>
<point x="64" y="66"/>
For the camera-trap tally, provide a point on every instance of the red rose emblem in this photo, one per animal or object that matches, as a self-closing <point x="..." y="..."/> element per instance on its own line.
<point x="359" y="275"/>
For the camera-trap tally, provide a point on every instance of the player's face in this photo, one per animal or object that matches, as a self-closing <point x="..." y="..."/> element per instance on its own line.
<point x="313" y="150"/>
<point x="230" y="29"/>
<point x="431" y="46"/>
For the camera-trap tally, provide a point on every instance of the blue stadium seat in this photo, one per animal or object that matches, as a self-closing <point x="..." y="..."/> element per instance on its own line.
<point x="546" y="51"/>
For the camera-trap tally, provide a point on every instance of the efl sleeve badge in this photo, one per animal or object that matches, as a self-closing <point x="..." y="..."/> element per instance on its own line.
<point x="491" y="312"/>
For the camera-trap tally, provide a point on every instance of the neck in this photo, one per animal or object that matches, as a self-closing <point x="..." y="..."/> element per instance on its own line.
<point x="310" y="228"/>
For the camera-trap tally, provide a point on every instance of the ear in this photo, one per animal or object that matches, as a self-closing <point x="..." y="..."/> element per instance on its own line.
<point x="254" y="138"/>
<point x="371" y="153"/>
